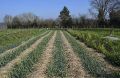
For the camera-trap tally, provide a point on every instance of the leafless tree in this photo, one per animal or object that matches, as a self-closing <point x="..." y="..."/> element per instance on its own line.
<point x="101" y="7"/>
<point x="8" y="21"/>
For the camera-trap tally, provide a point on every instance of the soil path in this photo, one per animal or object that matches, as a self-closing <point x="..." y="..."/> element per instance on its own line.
<point x="4" y="71"/>
<point x="74" y="66"/>
<point x="100" y="57"/>
<point x="41" y="66"/>
<point x="109" y="68"/>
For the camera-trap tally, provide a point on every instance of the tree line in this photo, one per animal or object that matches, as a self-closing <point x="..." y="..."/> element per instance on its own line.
<point x="28" y="20"/>
<point x="105" y="14"/>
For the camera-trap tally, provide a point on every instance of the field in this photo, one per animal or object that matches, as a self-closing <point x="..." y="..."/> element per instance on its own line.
<point x="96" y="39"/>
<point x="45" y="53"/>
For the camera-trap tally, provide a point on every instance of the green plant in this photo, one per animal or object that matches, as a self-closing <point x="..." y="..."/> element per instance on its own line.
<point x="95" y="40"/>
<point x="11" y="55"/>
<point x="13" y="39"/>
<point x="91" y="64"/>
<point x="58" y="65"/>
<point x="25" y="67"/>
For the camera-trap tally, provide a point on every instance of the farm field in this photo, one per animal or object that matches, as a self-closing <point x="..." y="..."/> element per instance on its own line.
<point x="96" y="39"/>
<point x="11" y="38"/>
<point x="45" y="53"/>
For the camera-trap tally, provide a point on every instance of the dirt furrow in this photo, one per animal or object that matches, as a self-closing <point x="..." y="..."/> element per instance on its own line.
<point x="4" y="72"/>
<point x="74" y="66"/>
<point x="100" y="57"/>
<point x="41" y="66"/>
<point x="13" y="49"/>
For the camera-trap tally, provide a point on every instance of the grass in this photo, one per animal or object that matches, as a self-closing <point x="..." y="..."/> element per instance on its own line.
<point x="25" y="67"/>
<point x="11" y="55"/>
<point x="57" y="67"/>
<point x="91" y="64"/>
<point x="13" y="39"/>
<point x="8" y="31"/>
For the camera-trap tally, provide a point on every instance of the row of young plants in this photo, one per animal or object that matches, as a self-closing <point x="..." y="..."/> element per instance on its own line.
<point x="91" y="64"/>
<point x="110" y="48"/>
<point x="7" y="57"/>
<point x="14" y="39"/>
<point x="26" y="66"/>
<point x="57" y="67"/>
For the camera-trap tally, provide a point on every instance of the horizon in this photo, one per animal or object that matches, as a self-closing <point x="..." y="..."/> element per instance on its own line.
<point x="51" y="8"/>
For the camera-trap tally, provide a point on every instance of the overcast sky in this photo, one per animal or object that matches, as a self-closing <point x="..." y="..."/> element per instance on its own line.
<point x="42" y="8"/>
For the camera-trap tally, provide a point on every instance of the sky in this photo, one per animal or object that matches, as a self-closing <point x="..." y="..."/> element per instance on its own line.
<point x="43" y="8"/>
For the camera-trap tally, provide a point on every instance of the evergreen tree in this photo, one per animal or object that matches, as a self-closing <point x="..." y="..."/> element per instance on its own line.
<point x="115" y="19"/>
<point x="65" y="18"/>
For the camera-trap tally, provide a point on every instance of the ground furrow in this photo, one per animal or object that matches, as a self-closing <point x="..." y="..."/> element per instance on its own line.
<point x="4" y="72"/>
<point x="100" y="57"/>
<point x="74" y="66"/>
<point x="91" y="65"/>
<point x="97" y="65"/>
<point x="57" y="66"/>
<point x="13" y="49"/>
<point x="46" y="57"/>
<point x="12" y="53"/>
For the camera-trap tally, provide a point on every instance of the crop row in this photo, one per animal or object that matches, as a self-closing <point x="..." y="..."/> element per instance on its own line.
<point x="14" y="39"/>
<point x="22" y="69"/>
<point x="90" y="64"/>
<point x="57" y="67"/>
<point x="8" y="56"/>
<point x="110" y="48"/>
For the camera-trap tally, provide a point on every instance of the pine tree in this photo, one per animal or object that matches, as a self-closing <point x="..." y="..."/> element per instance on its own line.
<point x="65" y="18"/>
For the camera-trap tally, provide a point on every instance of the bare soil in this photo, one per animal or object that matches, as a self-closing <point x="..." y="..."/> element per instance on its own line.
<point x="74" y="66"/>
<point x="100" y="57"/>
<point x="4" y="72"/>
<point x="41" y="66"/>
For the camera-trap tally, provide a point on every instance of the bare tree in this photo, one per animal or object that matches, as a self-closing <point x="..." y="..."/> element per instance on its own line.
<point x="101" y="7"/>
<point x="8" y="21"/>
<point x="114" y="14"/>
<point x="114" y="5"/>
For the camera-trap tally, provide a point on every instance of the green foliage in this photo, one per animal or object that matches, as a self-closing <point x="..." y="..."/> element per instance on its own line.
<point x="16" y="37"/>
<point x="58" y="65"/>
<point x="91" y="64"/>
<point x="66" y="20"/>
<point x="25" y="67"/>
<point x="95" y="40"/>
<point x="10" y="56"/>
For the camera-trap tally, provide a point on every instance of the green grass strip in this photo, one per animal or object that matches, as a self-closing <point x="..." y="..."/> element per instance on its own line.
<point x="14" y="39"/>
<point x="58" y="64"/>
<point x="25" y="67"/>
<point x="91" y="64"/>
<point x="10" y="56"/>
